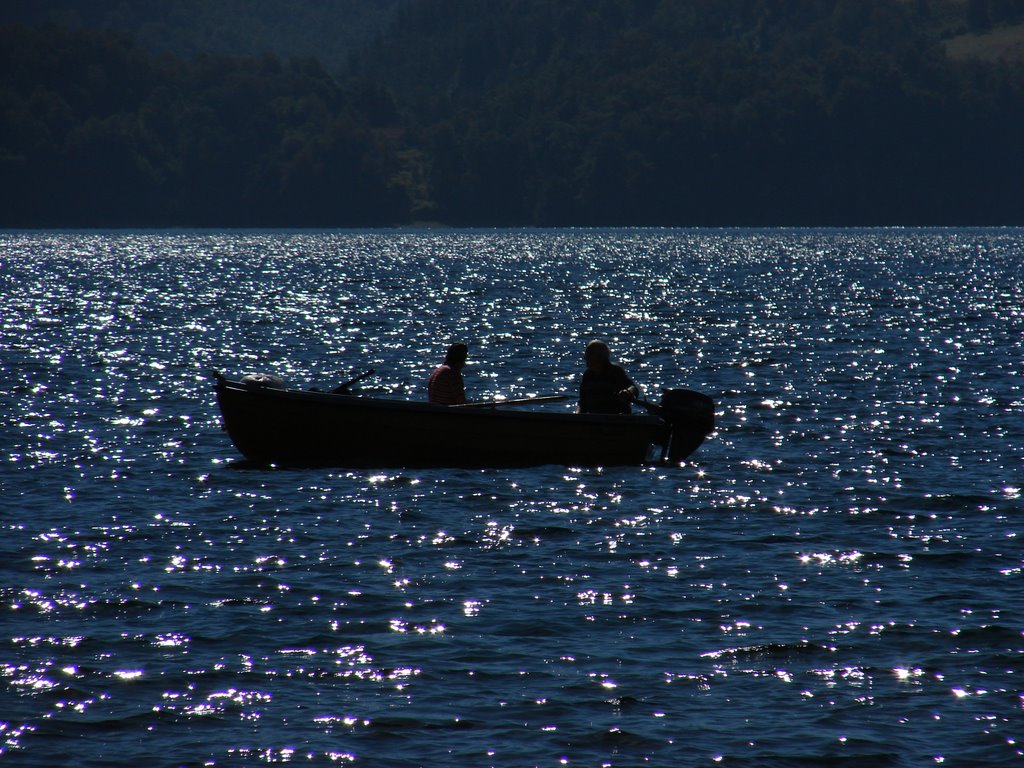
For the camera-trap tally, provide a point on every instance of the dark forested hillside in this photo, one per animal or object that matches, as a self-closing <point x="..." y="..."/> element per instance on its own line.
<point x="529" y="112"/>
<point x="328" y="30"/>
<point x="98" y="132"/>
<point x="706" y="112"/>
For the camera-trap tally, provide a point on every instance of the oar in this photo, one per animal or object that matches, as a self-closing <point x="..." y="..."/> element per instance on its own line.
<point x="343" y="389"/>
<point x="520" y="401"/>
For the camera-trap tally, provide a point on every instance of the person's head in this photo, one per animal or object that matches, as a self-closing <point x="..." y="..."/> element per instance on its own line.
<point x="456" y="356"/>
<point x="597" y="354"/>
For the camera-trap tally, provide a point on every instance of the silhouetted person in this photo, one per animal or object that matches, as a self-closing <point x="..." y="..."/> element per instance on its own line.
<point x="605" y="387"/>
<point x="445" y="385"/>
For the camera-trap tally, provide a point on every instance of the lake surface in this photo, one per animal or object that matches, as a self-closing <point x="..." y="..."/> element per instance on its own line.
<point x="834" y="578"/>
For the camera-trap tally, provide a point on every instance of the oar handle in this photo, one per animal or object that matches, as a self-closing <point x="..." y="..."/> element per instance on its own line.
<point x="648" y="406"/>
<point x="342" y="389"/>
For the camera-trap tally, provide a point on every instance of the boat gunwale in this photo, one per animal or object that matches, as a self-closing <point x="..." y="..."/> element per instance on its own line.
<point x="339" y="400"/>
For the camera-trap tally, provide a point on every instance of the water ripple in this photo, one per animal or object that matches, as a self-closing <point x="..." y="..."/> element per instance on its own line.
<point x="844" y="552"/>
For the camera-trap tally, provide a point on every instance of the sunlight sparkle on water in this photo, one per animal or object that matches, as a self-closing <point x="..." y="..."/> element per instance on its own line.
<point x="844" y="549"/>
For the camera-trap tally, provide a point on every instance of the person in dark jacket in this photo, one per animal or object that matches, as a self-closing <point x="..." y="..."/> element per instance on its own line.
<point x="605" y="387"/>
<point x="445" y="385"/>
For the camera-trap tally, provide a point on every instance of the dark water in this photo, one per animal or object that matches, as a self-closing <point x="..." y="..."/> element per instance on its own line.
<point x="836" y="578"/>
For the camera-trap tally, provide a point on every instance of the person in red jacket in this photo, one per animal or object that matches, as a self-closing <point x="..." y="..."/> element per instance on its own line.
<point x="445" y="385"/>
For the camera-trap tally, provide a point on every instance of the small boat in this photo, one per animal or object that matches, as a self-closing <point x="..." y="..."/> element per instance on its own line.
<point x="271" y="424"/>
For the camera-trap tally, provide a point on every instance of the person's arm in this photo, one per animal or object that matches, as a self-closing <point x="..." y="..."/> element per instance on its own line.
<point x="582" y="404"/>
<point x="460" y="388"/>
<point x="627" y="391"/>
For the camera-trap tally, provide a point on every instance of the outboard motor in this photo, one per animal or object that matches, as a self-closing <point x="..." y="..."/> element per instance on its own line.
<point x="690" y="417"/>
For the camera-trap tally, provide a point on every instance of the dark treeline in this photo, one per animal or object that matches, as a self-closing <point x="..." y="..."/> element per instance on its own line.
<point x="98" y="132"/>
<point x="706" y="112"/>
<point x="327" y="30"/>
<point x="531" y="112"/>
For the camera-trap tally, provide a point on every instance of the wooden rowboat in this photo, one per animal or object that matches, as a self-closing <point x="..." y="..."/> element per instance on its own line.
<point x="273" y="425"/>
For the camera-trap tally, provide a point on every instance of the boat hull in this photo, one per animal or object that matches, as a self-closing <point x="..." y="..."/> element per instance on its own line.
<point x="295" y="428"/>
